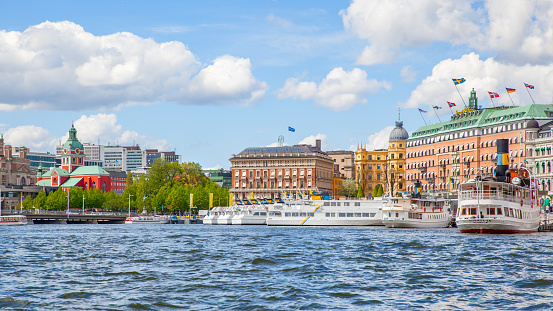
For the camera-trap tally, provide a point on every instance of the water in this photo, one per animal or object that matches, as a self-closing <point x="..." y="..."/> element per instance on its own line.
<point x="169" y="267"/>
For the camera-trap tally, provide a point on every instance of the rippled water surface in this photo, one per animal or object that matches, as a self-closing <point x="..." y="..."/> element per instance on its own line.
<point x="167" y="267"/>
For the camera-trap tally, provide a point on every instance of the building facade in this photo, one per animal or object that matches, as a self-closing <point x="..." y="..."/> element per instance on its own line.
<point x="268" y="172"/>
<point x="150" y="155"/>
<point x="345" y="160"/>
<point x="73" y="172"/>
<point x="539" y="157"/>
<point x="445" y="154"/>
<point x="385" y="167"/>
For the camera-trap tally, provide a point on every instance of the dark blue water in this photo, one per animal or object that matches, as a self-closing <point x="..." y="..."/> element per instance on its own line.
<point x="168" y="267"/>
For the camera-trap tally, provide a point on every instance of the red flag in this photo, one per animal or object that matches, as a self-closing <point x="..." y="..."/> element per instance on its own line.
<point x="493" y="94"/>
<point x="529" y="86"/>
<point x="451" y="104"/>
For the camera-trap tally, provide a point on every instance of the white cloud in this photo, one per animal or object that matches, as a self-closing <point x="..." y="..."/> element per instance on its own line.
<point x="33" y="137"/>
<point x="377" y="140"/>
<point x="484" y="76"/>
<point x="311" y="140"/>
<point x="216" y="167"/>
<point x="519" y="32"/>
<point x="279" y="21"/>
<point x="60" y="66"/>
<point x="407" y="74"/>
<point x="340" y="90"/>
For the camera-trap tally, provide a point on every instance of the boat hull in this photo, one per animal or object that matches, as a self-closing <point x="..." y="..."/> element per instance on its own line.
<point x="314" y="221"/>
<point x="15" y="220"/>
<point x="146" y="220"/>
<point x="412" y="223"/>
<point x="249" y="220"/>
<point x="496" y="226"/>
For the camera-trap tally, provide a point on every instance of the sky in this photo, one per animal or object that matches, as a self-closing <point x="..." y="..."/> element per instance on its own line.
<point x="208" y="79"/>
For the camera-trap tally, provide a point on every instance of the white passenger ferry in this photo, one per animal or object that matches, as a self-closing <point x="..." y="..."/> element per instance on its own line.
<point x="255" y="214"/>
<point x="497" y="207"/>
<point x="508" y="204"/>
<point x="13" y="220"/>
<point x="326" y="213"/>
<point x="407" y="212"/>
<point x="159" y="219"/>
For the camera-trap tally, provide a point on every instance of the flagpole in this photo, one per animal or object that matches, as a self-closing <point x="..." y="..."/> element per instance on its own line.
<point x="423" y="118"/>
<point x="529" y="93"/>
<point x="437" y="114"/>
<point x="510" y="97"/>
<point x="448" y="105"/>
<point x="460" y="96"/>
<point x="491" y="99"/>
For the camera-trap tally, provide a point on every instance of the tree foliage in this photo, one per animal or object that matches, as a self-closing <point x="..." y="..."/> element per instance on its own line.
<point x="348" y="188"/>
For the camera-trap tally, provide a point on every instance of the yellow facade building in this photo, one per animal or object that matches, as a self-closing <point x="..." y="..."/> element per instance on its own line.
<point x="385" y="167"/>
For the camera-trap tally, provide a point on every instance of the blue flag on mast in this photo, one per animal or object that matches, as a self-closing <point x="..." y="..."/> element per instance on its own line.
<point x="291" y="129"/>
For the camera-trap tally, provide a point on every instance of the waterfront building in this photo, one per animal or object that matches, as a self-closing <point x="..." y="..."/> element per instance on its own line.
<point x="221" y="177"/>
<point x="345" y="160"/>
<point x="539" y="157"/>
<point x="444" y="154"/>
<point x="385" y="167"/>
<point x="72" y="172"/>
<point x="37" y="159"/>
<point x="118" y="181"/>
<point x="268" y="172"/>
<point x="337" y="179"/>
<point x="150" y="155"/>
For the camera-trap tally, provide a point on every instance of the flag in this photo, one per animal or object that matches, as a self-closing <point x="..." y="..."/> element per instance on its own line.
<point x="437" y="107"/>
<point x="291" y="129"/>
<point x="529" y="86"/>
<point x="510" y="90"/>
<point x="493" y="94"/>
<point x="450" y="104"/>
<point x="459" y="81"/>
<point x="420" y="110"/>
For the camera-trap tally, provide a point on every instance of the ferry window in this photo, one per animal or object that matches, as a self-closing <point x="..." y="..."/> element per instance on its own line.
<point x="326" y="203"/>
<point x="472" y="211"/>
<point x="366" y="215"/>
<point x="327" y="214"/>
<point x="373" y="214"/>
<point x="357" y="214"/>
<point x="332" y="203"/>
<point x="397" y="214"/>
<point x="310" y="214"/>
<point x="294" y="214"/>
<point x="287" y="214"/>
<point x="346" y="203"/>
<point x="338" y="204"/>
<point x="491" y="211"/>
<point x="349" y="214"/>
<point x="341" y="214"/>
<point x="357" y="203"/>
<point x="263" y="213"/>
<point x="506" y="211"/>
<point x="463" y="211"/>
<point x="332" y="214"/>
<point x="499" y="211"/>
<point x="511" y="214"/>
<point x="303" y="214"/>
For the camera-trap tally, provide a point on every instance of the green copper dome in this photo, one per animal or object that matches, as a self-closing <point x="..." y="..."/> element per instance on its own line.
<point x="73" y="143"/>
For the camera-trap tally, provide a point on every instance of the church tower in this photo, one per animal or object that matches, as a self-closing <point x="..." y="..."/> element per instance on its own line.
<point x="72" y="152"/>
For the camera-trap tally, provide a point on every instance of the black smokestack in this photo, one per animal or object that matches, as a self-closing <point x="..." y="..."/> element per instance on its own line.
<point x="502" y="159"/>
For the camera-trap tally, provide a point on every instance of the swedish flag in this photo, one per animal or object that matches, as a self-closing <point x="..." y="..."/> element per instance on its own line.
<point x="459" y="81"/>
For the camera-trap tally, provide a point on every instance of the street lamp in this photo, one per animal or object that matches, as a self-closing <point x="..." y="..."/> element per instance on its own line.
<point x="130" y="195"/>
<point x="83" y="204"/>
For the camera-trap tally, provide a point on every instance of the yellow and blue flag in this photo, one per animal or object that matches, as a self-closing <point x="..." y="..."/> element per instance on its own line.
<point x="459" y="81"/>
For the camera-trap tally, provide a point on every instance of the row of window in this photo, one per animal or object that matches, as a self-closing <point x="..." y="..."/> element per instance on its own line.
<point x="470" y="133"/>
<point x="266" y="173"/>
<point x="492" y="211"/>
<point x="272" y="185"/>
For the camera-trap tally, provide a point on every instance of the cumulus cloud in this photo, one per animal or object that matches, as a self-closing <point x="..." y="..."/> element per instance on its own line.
<point x="377" y="140"/>
<point x="30" y="136"/>
<point x="519" y="32"/>
<point x="407" y="74"/>
<point x="311" y="140"/>
<point x="60" y="66"/>
<point x="484" y="76"/>
<point x="340" y="90"/>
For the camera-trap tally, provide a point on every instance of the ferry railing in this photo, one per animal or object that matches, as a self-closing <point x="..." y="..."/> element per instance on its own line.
<point x="486" y="195"/>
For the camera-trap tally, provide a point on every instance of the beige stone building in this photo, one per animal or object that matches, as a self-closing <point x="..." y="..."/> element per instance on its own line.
<point x="268" y="172"/>
<point x="345" y="161"/>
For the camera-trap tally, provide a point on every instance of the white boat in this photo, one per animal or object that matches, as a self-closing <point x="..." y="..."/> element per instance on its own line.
<point x="211" y="218"/>
<point x="326" y="213"/>
<point x="497" y="207"/>
<point x="250" y="215"/>
<point x="13" y="220"/>
<point x="158" y="219"/>
<point x="507" y="204"/>
<point x="225" y="216"/>
<point x="409" y="212"/>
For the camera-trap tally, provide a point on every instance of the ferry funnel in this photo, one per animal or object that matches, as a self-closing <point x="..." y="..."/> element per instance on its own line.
<point x="502" y="160"/>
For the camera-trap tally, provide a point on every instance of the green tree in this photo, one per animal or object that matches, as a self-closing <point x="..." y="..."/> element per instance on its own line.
<point x="375" y="190"/>
<point x="28" y="203"/>
<point x="40" y="200"/>
<point x="348" y="188"/>
<point x="360" y="192"/>
<point x="380" y="191"/>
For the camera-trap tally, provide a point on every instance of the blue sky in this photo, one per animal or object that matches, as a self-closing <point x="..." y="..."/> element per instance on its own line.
<point x="211" y="78"/>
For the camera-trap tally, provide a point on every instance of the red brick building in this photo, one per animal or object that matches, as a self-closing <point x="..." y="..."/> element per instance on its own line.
<point x="72" y="172"/>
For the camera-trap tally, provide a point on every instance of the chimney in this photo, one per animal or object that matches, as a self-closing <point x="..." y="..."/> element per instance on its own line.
<point x="502" y="160"/>
<point x="318" y="144"/>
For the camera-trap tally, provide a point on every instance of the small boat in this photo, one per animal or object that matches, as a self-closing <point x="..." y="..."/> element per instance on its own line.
<point x="13" y="220"/>
<point x="250" y="215"/>
<point x="407" y="212"/>
<point x="157" y="219"/>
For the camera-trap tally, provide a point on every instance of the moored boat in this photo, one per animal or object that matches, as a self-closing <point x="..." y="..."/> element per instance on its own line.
<point x="407" y="212"/>
<point x="507" y="204"/>
<point x="157" y="219"/>
<point x="13" y="220"/>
